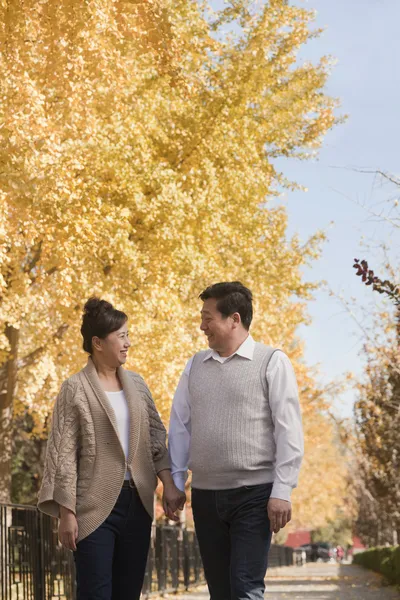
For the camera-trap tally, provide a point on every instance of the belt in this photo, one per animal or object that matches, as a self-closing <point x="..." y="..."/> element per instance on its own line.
<point x="128" y="483"/>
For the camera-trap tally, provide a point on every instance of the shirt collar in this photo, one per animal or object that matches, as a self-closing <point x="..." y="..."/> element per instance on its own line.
<point x="245" y="350"/>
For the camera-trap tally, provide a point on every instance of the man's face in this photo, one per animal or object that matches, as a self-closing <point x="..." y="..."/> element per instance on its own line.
<point x="217" y="328"/>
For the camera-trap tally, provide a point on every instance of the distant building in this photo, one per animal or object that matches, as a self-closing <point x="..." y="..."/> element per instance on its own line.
<point x="358" y="546"/>
<point x="303" y="536"/>
<point x="298" y="538"/>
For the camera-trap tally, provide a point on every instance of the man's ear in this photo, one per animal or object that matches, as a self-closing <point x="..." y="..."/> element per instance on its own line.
<point x="236" y="319"/>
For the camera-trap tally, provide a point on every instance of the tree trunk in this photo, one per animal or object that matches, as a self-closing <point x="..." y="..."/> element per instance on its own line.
<point x="395" y="537"/>
<point x="7" y="391"/>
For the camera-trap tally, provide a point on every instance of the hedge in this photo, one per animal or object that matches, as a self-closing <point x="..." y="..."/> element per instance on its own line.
<point x="385" y="560"/>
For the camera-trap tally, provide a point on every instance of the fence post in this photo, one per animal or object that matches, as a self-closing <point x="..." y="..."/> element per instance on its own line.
<point x="34" y="567"/>
<point x="186" y="560"/>
<point x="3" y="551"/>
<point x="174" y="546"/>
<point x="40" y="580"/>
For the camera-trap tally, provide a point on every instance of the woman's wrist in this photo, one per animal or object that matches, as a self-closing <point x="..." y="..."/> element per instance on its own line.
<point x="166" y="477"/>
<point x="64" y="511"/>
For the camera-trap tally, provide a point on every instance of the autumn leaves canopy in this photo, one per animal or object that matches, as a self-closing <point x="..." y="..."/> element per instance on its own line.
<point x="136" y="161"/>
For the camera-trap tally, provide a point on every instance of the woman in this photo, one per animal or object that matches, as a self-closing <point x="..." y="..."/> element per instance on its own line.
<point x="105" y="450"/>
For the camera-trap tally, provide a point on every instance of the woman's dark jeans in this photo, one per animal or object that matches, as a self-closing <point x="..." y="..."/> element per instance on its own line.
<point x="111" y="561"/>
<point x="233" y="530"/>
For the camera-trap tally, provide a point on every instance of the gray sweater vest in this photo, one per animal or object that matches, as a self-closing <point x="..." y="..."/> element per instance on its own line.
<point x="232" y="433"/>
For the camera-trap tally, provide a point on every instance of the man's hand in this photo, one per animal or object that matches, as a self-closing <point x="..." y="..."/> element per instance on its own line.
<point x="68" y="529"/>
<point x="279" y="513"/>
<point x="173" y="500"/>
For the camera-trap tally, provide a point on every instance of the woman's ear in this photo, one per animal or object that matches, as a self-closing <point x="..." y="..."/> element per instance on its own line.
<point x="96" y="343"/>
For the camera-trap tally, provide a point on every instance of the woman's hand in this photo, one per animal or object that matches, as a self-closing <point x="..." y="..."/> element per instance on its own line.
<point x="173" y="500"/>
<point x="68" y="529"/>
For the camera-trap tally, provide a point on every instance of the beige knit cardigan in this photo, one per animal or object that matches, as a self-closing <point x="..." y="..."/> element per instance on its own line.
<point x="85" y="463"/>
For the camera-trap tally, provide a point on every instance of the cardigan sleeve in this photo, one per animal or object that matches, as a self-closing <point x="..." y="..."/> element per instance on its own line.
<point x="60" y="471"/>
<point x="158" y="433"/>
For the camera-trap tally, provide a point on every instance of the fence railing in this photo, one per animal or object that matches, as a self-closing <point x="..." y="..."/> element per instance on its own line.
<point x="280" y="556"/>
<point x="34" y="566"/>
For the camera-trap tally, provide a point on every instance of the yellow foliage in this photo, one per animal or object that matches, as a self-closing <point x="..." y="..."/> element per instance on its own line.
<point x="136" y="157"/>
<point x="322" y="490"/>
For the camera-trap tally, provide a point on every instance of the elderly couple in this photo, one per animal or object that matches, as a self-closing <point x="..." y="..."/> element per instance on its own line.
<point x="235" y="423"/>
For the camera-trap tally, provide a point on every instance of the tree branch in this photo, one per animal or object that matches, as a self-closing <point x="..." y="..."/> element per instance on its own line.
<point x="29" y="359"/>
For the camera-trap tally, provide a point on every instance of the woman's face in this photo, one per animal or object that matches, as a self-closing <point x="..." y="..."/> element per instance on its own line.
<point x="113" y="350"/>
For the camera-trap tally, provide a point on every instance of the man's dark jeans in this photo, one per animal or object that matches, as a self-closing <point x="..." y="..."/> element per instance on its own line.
<point x="111" y="561"/>
<point x="233" y="530"/>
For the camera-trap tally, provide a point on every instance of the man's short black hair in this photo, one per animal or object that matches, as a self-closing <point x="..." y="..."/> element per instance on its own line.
<point x="231" y="296"/>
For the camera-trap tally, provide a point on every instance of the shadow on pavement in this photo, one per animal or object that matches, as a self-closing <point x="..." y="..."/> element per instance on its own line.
<point x="317" y="582"/>
<point x="328" y="582"/>
<point x="371" y="584"/>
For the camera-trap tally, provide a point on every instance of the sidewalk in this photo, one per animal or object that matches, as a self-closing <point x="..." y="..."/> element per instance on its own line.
<point x="317" y="581"/>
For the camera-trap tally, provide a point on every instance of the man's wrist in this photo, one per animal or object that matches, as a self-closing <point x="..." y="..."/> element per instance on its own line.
<point x="281" y="491"/>
<point x="180" y="480"/>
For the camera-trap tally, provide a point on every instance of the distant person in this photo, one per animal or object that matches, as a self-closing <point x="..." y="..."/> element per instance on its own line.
<point x="339" y="553"/>
<point x="236" y="424"/>
<point x="105" y="450"/>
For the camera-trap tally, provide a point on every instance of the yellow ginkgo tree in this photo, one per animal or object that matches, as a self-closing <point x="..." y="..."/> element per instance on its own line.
<point x="136" y="161"/>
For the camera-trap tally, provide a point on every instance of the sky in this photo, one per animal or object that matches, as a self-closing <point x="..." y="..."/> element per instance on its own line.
<point x="362" y="35"/>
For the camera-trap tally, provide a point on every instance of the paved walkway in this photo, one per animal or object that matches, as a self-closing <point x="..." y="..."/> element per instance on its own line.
<point x="318" y="581"/>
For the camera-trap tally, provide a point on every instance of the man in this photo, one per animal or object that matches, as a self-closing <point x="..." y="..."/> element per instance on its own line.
<point x="236" y="424"/>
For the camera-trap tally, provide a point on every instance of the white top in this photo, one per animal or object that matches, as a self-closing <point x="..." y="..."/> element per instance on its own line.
<point x="285" y="409"/>
<point x="120" y="407"/>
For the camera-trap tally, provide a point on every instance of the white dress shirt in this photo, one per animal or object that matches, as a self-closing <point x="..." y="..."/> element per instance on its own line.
<point x="286" y="415"/>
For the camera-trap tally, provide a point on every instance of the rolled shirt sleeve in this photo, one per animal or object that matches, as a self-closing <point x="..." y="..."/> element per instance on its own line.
<point x="179" y="430"/>
<point x="288" y="431"/>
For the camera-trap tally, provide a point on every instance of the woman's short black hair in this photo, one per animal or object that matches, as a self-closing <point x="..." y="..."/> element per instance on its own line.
<point x="99" y="319"/>
<point x="231" y="296"/>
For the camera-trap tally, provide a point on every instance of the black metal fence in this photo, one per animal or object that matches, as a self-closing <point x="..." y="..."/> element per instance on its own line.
<point x="280" y="556"/>
<point x="174" y="561"/>
<point x="34" y="566"/>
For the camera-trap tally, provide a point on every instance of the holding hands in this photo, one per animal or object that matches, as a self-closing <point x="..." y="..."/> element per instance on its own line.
<point x="173" y="500"/>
